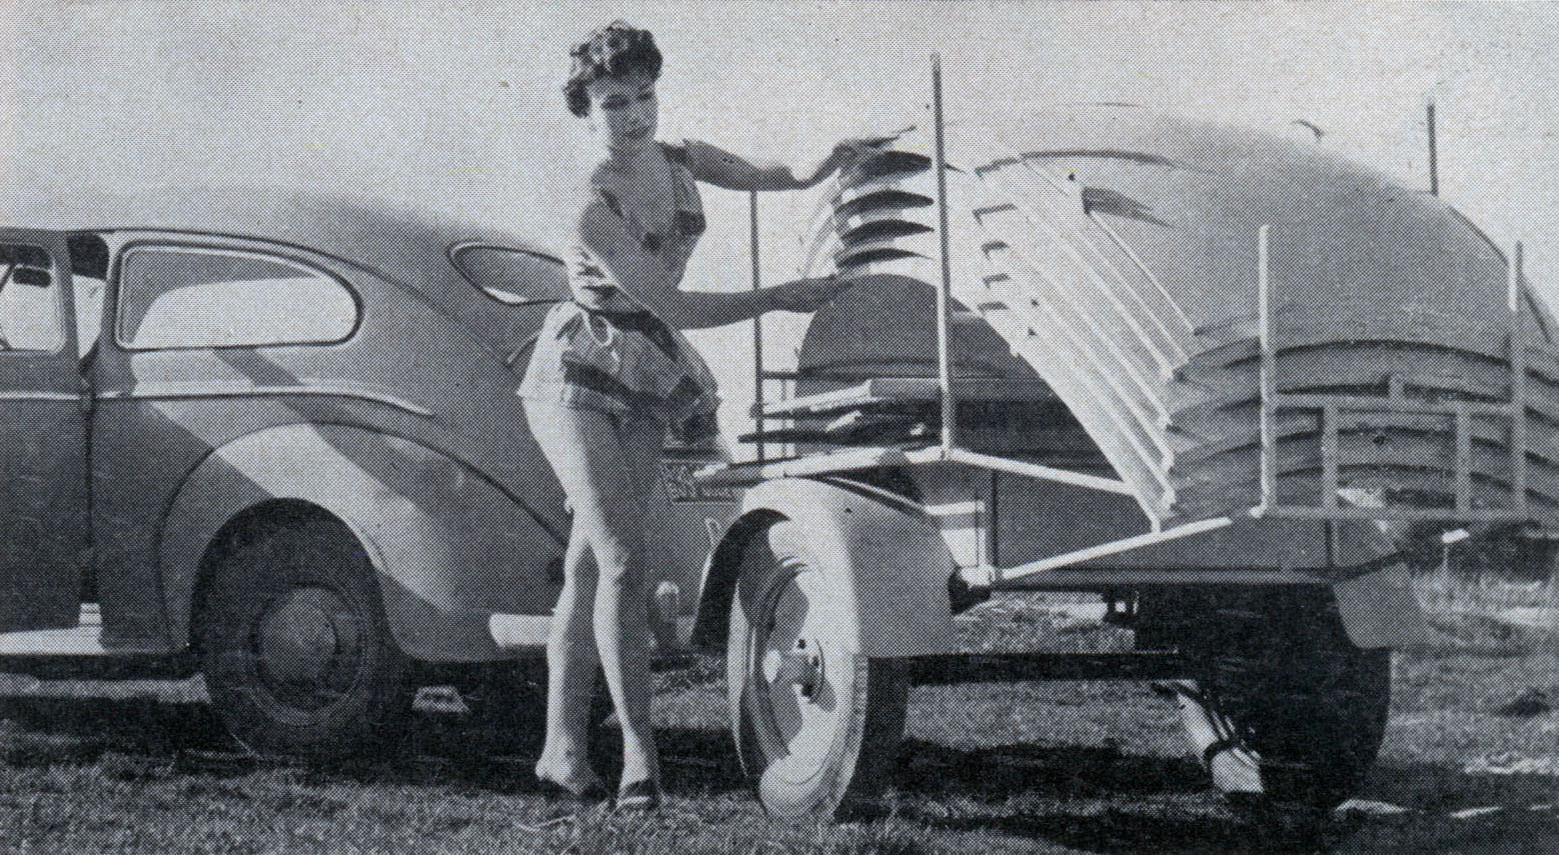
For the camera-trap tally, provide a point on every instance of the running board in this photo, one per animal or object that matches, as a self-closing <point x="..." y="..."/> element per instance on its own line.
<point x="77" y="641"/>
<point x="85" y="639"/>
<point x="78" y="652"/>
<point x="954" y="668"/>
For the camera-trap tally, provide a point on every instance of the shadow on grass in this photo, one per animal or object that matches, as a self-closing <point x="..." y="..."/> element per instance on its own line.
<point x="1089" y="798"/>
<point x="188" y="738"/>
<point x="931" y="770"/>
<point x="42" y="731"/>
<point x="1443" y="790"/>
<point x="1096" y="799"/>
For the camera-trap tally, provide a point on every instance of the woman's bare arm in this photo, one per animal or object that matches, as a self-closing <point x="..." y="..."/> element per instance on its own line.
<point x="648" y="282"/>
<point x="714" y="165"/>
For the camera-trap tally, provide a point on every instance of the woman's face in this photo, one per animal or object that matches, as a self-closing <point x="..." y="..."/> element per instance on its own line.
<point x="624" y="111"/>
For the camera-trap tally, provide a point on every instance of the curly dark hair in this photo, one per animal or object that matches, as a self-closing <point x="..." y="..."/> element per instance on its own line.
<point x="616" y="50"/>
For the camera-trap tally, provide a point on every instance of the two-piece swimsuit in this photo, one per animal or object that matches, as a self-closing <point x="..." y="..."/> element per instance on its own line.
<point x="629" y="361"/>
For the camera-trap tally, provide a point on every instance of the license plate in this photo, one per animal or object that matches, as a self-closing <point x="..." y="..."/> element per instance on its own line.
<point x="681" y="486"/>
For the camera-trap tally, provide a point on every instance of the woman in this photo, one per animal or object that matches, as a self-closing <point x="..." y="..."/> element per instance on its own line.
<point x="611" y="374"/>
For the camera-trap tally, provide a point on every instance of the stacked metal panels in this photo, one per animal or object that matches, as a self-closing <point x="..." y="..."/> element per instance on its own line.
<point x="1113" y="252"/>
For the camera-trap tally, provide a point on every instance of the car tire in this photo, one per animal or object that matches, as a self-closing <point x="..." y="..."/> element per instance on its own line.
<point x="813" y="744"/>
<point x="1279" y="666"/>
<point x="296" y="650"/>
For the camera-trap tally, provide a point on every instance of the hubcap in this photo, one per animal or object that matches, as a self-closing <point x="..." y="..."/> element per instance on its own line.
<point x="800" y="667"/>
<point x="800" y="711"/>
<point x="307" y="646"/>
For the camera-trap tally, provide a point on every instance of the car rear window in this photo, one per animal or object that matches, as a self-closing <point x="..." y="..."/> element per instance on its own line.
<point x="187" y="297"/>
<point x="512" y="276"/>
<point x="29" y="301"/>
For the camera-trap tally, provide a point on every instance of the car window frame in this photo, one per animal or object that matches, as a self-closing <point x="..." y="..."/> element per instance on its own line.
<point x="456" y="248"/>
<point x="65" y="324"/>
<point x="116" y="293"/>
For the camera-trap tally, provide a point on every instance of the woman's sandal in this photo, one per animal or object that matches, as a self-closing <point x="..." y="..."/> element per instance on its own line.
<point x="590" y="796"/>
<point x="585" y="794"/>
<point x="643" y="796"/>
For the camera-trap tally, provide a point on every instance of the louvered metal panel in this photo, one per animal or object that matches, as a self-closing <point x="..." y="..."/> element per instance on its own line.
<point x="1113" y="252"/>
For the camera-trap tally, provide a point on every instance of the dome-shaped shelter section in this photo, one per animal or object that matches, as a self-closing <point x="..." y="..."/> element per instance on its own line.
<point x="1107" y="260"/>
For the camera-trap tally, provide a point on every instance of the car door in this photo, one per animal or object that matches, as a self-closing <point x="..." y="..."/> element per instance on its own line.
<point x="43" y="483"/>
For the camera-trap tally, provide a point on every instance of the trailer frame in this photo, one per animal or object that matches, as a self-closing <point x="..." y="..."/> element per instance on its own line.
<point x="1332" y="505"/>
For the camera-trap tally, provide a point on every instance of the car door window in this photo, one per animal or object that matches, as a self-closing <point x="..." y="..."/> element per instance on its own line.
<point x="29" y="300"/>
<point x="198" y="298"/>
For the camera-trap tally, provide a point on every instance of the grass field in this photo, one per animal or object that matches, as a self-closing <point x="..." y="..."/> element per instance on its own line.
<point x="1030" y="767"/>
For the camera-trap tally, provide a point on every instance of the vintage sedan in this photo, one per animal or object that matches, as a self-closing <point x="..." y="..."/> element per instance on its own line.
<point x="274" y="437"/>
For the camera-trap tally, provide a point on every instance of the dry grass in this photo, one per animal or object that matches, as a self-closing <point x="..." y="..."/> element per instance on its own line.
<point x="1060" y="767"/>
<point x="1483" y="608"/>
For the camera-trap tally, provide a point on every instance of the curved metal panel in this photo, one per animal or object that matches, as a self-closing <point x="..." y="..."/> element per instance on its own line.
<point x="1113" y="251"/>
<point x="449" y="546"/>
<point x="893" y="562"/>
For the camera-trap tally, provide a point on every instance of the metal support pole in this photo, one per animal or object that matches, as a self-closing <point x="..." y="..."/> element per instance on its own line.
<point x="757" y="323"/>
<point x="1434" y="153"/>
<point x="944" y="294"/>
<point x="1518" y="382"/>
<point x="1269" y="453"/>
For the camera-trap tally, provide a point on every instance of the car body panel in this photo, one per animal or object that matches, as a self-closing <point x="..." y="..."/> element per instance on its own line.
<point x="409" y="371"/>
<point x="892" y="565"/>
<point x="43" y="528"/>
<point x="450" y="546"/>
<point x="405" y="426"/>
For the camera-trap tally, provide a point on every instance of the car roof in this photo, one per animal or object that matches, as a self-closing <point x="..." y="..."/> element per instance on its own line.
<point x="394" y="239"/>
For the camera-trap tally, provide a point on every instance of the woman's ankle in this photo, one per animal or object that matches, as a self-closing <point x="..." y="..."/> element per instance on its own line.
<point x="571" y="773"/>
<point x="640" y="796"/>
<point x="638" y="774"/>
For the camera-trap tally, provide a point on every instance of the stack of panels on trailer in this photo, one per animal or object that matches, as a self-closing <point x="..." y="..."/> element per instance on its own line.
<point x="1112" y="252"/>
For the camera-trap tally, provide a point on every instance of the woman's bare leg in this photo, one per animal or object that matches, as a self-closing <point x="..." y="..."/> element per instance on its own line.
<point x="571" y="666"/>
<point x="622" y="629"/>
<point x="571" y="654"/>
<point x="605" y="465"/>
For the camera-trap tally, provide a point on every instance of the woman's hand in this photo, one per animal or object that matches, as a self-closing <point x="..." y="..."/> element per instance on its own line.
<point x="848" y="153"/>
<point x="807" y="295"/>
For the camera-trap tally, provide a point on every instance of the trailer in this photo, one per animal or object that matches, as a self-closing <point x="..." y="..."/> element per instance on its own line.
<point x="1229" y="382"/>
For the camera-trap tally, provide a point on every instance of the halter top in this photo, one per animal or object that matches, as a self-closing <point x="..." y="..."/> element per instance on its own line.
<point x="621" y="361"/>
<point x="674" y="243"/>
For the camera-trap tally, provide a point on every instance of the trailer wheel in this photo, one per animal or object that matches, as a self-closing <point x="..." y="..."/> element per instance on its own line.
<point x="1279" y="667"/>
<point x="816" y="724"/>
<point x="297" y="653"/>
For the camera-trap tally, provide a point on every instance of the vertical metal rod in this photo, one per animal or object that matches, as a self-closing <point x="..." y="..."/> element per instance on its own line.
<point x="1434" y="153"/>
<point x="1518" y="381"/>
<point x="944" y="294"/>
<point x="1463" y="457"/>
<point x="1269" y="482"/>
<point x="757" y="322"/>
<point x="1329" y="478"/>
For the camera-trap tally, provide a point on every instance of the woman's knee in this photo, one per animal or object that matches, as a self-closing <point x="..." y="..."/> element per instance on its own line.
<point x="617" y="561"/>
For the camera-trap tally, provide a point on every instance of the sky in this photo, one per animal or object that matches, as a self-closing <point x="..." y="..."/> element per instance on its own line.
<point x="457" y="105"/>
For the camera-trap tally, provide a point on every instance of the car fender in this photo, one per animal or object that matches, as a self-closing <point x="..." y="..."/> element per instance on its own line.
<point x="449" y="546"/>
<point x="1380" y="609"/>
<point x="889" y="560"/>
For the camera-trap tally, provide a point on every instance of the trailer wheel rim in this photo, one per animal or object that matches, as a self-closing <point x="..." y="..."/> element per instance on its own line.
<point x="796" y="663"/>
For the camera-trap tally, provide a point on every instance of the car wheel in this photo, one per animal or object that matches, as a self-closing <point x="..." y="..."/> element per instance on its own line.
<point x="297" y="652"/>
<point x="816" y="724"/>
<point x="1278" y="670"/>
